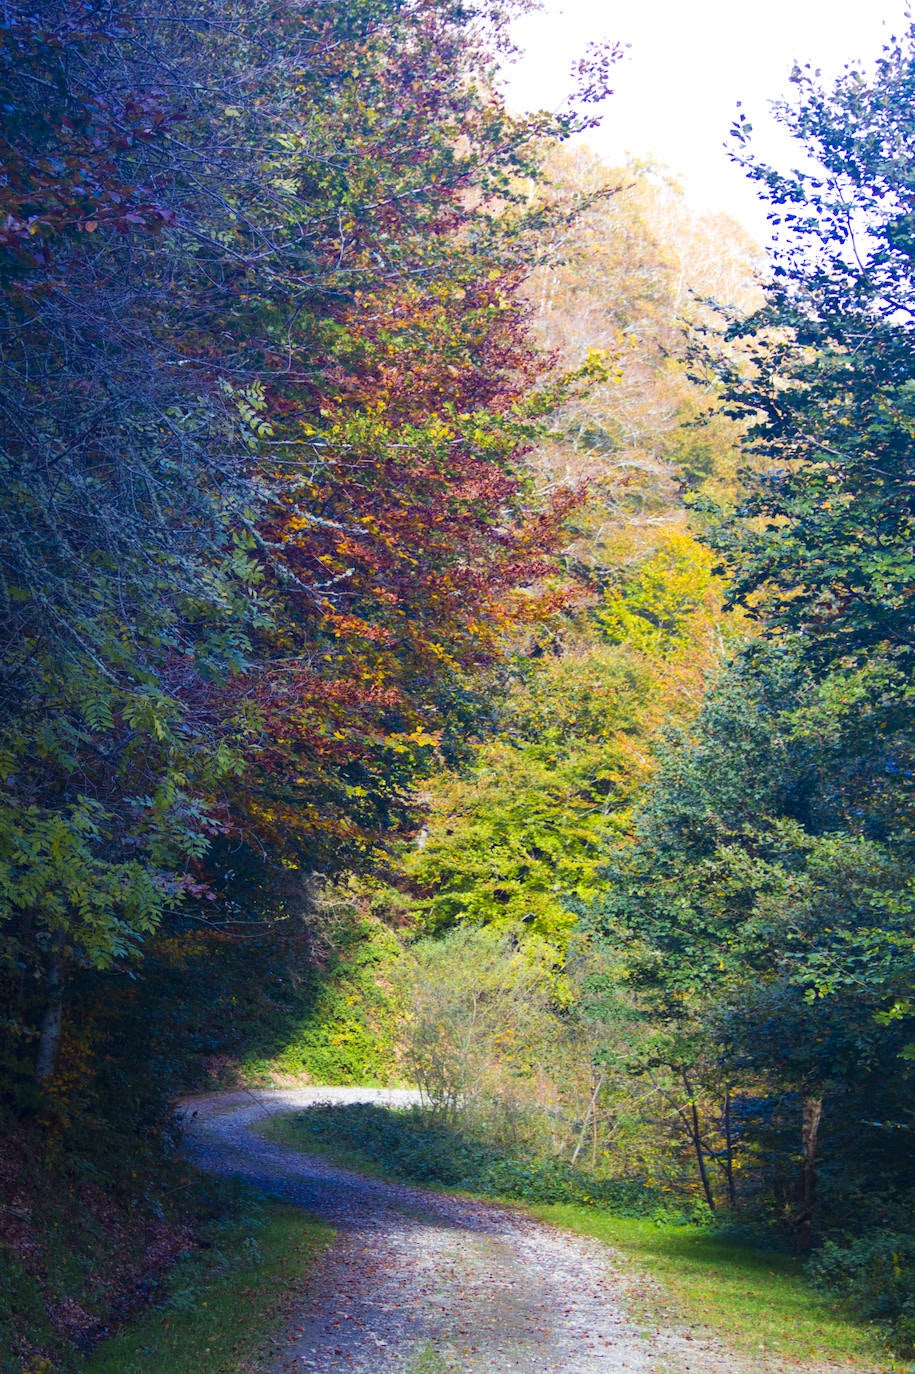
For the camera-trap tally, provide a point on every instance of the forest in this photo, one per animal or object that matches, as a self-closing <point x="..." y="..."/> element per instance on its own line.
<point x="458" y="632"/>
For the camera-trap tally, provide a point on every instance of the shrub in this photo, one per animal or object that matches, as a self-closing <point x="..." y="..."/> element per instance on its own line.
<point x="413" y="1146"/>
<point x="875" y="1275"/>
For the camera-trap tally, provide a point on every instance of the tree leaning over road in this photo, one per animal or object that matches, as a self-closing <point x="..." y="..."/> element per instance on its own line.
<point x="267" y="393"/>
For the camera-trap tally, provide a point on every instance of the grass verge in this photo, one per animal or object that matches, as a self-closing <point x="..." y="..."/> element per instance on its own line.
<point x="758" y="1299"/>
<point x="755" y="1299"/>
<point x="408" y="1146"/>
<point x="224" y="1303"/>
<point x="286" y="1129"/>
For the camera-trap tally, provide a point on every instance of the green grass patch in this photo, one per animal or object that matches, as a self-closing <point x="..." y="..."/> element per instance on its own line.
<point x="758" y="1299"/>
<point x="345" y="1031"/>
<point x="428" y="1361"/>
<point x="223" y="1304"/>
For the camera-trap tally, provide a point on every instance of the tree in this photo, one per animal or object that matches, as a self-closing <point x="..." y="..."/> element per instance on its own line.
<point x="821" y="549"/>
<point x="477" y="1020"/>
<point x="763" y="898"/>
<point x="115" y="523"/>
<point x="752" y="872"/>
<point x="636" y="275"/>
<point x="512" y="837"/>
<point x="518" y="826"/>
<point x="266" y="405"/>
<point x="825" y="533"/>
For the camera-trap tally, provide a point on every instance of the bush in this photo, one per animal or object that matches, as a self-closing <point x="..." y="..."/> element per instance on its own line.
<point x="478" y="1018"/>
<point x="412" y="1146"/>
<point x="875" y="1275"/>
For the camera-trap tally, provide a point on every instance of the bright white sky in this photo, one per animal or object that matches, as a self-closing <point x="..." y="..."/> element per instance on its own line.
<point x="689" y="63"/>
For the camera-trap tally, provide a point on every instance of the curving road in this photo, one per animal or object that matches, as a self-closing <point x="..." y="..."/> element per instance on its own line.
<point x="423" y="1283"/>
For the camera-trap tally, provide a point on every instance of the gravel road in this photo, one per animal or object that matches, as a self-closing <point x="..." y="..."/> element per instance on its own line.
<point x="423" y="1283"/>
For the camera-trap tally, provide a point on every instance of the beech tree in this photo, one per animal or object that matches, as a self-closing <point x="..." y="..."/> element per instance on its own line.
<point x="821" y="550"/>
<point x="744" y="905"/>
<point x="267" y="398"/>
<point x="826" y="528"/>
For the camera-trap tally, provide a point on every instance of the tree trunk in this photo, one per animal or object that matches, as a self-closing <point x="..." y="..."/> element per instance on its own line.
<point x="696" y="1136"/>
<point x="729" y="1151"/>
<point x="52" y="1021"/>
<point x="811" y="1115"/>
<point x="584" y="1125"/>
<point x="595" y="1136"/>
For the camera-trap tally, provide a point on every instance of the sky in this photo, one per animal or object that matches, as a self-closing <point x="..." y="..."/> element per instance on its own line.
<point x="688" y="64"/>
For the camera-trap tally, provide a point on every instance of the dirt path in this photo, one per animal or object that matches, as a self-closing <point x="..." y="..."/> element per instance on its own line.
<point x="422" y="1283"/>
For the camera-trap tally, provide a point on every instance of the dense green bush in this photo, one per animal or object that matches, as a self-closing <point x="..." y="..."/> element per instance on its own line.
<point x="875" y="1275"/>
<point x="344" y="1030"/>
<point x="409" y="1145"/>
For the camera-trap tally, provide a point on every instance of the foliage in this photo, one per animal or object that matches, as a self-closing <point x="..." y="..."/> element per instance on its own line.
<point x="822" y="546"/>
<point x="826" y="529"/>
<point x="417" y="1147"/>
<point x="347" y="1030"/>
<point x="267" y="398"/>
<point x="874" y="1275"/>
<point x="662" y="604"/>
<point x="635" y="275"/>
<point x="744" y="882"/>
<point x="477" y="1017"/>
<point x="518" y="825"/>
<point x="511" y="838"/>
<point x="761" y="907"/>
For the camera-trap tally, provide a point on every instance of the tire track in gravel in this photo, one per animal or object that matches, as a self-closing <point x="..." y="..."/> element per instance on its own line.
<point x="419" y="1280"/>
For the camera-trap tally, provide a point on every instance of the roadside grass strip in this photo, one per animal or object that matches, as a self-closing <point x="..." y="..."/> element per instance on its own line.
<point x="754" y="1298"/>
<point x="757" y="1299"/>
<point x="226" y="1303"/>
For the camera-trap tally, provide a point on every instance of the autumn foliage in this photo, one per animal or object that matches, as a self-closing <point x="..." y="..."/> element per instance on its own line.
<point x="265" y="502"/>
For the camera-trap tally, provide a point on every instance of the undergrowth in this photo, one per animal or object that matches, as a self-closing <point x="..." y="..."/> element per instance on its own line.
<point x="409" y="1146"/>
<point x="344" y="1032"/>
<point x="875" y="1274"/>
<point x="85" y="1238"/>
